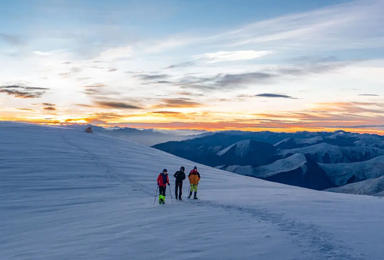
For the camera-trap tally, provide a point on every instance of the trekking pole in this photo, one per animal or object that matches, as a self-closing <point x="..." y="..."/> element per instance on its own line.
<point x="155" y="195"/>
<point x="170" y="192"/>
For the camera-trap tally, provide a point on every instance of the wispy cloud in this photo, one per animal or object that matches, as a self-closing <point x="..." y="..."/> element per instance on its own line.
<point x="271" y="95"/>
<point x="333" y="114"/>
<point x="333" y="27"/>
<point x="149" y="77"/>
<point x="368" y="95"/>
<point x="181" y="65"/>
<point x="22" y="91"/>
<point x="10" y="39"/>
<point x="41" y="53"/>
<point x="268" y="75"/>
<point x="244" y="78"/>
<point x="221" y="56"/>
<point x="178" y="103"/>
<point x="165" y="112"/>
<point x="83" y="105"/>
<point x="49" y="104"/>
<point x="25" y="109"/>
<point x="99" y="91"/>
<point x="115" y="53"/>
<point x="190" y="94"/>
<point x="50" y="108"/>
<point x="72" y="71"/>
<point x="116" y="105"/>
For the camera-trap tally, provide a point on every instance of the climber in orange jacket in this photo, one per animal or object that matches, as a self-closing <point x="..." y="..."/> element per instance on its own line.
<point x="194" y="178"/>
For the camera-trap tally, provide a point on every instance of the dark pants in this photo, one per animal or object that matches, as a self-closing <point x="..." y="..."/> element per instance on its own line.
<point x="179" y="189"/>
<point x="162" y="190"/>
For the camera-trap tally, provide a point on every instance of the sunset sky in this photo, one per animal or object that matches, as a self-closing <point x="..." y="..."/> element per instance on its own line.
<point x="281" y="65"/>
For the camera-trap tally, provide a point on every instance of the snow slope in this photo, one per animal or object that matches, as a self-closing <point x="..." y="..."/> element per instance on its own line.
<point x="66" y="194"/>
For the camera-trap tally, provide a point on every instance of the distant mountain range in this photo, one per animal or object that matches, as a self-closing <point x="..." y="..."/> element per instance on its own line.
<point x="147" y="137"/>
<point x="321" y="161"/>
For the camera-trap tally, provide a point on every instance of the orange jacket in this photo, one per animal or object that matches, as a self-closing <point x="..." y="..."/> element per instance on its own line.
<point x="194" y="177"/>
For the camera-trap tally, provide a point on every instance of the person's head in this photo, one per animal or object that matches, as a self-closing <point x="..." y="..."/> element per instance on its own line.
<point x="195" y="168"/>
<point x="182" y="168"/>
<point x="165" y="171"/>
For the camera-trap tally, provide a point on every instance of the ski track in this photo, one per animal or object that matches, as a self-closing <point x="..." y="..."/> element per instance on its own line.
<point x="320" y="244"/>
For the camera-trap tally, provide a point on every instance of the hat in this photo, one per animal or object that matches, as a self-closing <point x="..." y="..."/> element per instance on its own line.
<point x="195" y="168"/>
<point x="165" y="170"/>
<point x="182" y="168"/>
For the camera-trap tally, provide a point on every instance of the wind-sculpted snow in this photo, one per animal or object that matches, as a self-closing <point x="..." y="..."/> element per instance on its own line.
<point x="66" y="194"/>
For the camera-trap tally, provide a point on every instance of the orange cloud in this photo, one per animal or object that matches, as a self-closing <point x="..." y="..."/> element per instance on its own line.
<point x="178" y="103"/>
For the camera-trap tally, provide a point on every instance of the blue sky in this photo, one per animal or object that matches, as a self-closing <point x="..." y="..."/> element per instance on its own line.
<point x="194" y="64"/>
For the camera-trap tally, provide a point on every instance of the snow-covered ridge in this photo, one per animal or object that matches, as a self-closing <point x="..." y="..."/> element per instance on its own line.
<point x="241" y="148"/>
<point x="327" y="153"/>
<point x="294" y="170"/>
<point x="284" y="165"/>
<point x="341" y="173"/>
<point x="300" y="141"/>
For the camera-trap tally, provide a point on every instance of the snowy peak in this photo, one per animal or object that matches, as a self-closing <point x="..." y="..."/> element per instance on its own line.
<point x="241" y="148"/>
<point x="327" y="153"/>
<point x="284" y="165"/>
<point x="295" y="170"/>
<point x="248" y="152"/>
<point x="291" y="143"/>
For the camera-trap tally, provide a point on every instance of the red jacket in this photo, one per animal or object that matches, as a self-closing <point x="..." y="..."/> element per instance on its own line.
<point x="162" y="180"/>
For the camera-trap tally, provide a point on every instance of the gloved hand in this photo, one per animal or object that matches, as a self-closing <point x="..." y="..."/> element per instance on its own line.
<point x="169" y="184"/>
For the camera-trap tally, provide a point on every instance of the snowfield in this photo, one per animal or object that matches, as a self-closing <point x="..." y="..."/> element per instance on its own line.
<point x="66" y="194"/>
